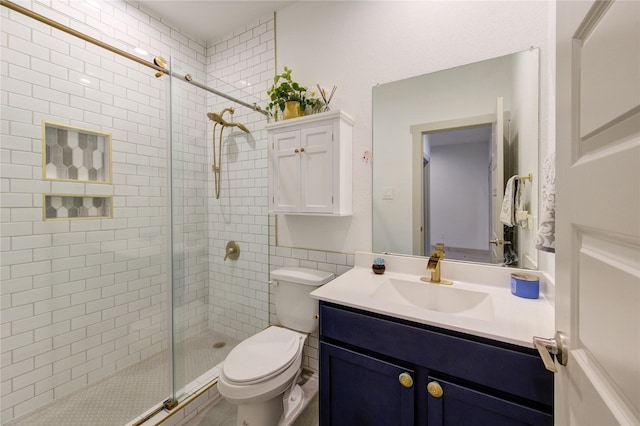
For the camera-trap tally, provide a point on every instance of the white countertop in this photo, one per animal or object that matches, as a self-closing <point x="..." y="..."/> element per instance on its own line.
<point x="515" y="320"/>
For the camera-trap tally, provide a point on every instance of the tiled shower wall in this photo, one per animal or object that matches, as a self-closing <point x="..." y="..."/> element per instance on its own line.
<point x="239" y="293"/>
<point x="82" y="299"/>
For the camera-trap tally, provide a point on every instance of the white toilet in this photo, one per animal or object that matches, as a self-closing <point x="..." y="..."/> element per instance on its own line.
<point x="259" y="375"/>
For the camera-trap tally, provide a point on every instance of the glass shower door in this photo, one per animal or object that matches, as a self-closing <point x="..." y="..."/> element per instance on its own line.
<point x="217" y="302"/>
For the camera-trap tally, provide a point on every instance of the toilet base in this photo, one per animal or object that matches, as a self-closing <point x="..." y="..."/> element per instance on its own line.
<point x="266" y="413"/>
<point x="292" y="400"/>
<point x="278" y="411"/>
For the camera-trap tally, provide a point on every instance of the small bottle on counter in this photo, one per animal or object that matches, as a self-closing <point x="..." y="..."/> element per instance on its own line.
<point x="378" y="266"/>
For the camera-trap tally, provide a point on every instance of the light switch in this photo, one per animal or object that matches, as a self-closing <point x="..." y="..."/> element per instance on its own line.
<point x="387" y="193"/>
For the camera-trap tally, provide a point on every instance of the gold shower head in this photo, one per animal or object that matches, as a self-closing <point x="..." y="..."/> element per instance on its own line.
<point x="217" y="117"/>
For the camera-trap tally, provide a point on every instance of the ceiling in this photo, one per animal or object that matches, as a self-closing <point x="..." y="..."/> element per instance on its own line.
<point x="210" y="20"/>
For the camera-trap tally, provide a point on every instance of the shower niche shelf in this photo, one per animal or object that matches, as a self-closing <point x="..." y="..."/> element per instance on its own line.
<point x="75" y="154"/>
<point x="77" y="207"/>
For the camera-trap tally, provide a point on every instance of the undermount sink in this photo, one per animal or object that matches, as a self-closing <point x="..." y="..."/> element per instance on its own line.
<point x="435" y="297"/>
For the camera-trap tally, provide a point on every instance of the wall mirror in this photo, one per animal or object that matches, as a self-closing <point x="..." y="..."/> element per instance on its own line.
<point x="446" y="145"/>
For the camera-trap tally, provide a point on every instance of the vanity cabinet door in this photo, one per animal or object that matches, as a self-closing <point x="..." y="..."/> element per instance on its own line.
<point x="458" y="405"/>
<point x="356" y="389"/>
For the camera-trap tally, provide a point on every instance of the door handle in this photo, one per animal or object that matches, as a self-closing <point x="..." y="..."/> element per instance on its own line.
<point x="557" y="346"/>
<point x="499" y="242"/>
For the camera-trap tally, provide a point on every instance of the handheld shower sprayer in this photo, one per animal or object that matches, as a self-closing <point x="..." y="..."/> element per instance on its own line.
<point x="217" y="118"/>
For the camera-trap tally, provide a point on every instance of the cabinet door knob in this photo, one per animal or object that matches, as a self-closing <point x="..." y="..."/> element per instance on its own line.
<point x="296" y="150"/>
<point x="405" y="380"/>
<point x="301" y="149"/>
<point x="434" y="389"/>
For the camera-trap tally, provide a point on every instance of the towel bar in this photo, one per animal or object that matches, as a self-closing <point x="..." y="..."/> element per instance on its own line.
<point x="529" y="177"/>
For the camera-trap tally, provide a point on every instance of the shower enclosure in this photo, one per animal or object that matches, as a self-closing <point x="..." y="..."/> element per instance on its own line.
<point x="116" y="296"/>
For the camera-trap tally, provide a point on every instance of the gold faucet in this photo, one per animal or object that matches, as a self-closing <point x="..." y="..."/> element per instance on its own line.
<point x="433" y="266"/>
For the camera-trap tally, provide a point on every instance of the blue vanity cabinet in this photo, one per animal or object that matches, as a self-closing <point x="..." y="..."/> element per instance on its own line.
<point x="460" y="405"/>
<point x="378" y="370"/>
<point x="369" y="390"/>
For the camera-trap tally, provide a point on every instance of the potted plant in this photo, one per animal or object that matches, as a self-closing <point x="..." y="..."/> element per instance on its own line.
<point x="289" y="97"/>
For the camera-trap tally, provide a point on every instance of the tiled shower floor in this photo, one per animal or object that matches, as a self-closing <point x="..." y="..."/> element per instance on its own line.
<point x="125" y="395"/>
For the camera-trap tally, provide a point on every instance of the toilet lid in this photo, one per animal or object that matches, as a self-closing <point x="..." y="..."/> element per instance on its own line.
<point x="262" y="355"/>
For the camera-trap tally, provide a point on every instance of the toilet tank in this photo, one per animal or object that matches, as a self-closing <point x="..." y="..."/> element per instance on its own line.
<point x="294" y="307"/>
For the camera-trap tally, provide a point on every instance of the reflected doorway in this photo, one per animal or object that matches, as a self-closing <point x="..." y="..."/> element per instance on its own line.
<point x="457" y="213"/>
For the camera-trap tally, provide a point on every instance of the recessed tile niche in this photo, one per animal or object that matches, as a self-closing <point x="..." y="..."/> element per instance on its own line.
<point x="76" y="154"/>
<point x="77" y="207"/>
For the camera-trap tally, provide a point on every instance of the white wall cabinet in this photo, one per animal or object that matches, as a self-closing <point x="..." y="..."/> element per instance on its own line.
<point x="310" y="165"/>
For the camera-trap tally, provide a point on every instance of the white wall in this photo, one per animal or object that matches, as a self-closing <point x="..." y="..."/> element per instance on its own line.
<point x="524" y="134"/>
<point x="356" y="52"/>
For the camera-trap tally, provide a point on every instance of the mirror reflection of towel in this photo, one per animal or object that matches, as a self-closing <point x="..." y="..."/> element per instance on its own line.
<point x="511" y="194"/>
<point x="546" y="240"/>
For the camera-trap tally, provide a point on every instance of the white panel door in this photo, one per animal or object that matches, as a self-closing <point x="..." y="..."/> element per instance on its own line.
<point x="286" y="179"/>
<point x="496" y="175"/>
<point x="598" y="212"/>
<point x="317" y="169"/>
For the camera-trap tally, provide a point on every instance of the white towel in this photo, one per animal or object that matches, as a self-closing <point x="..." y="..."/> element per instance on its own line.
<point x="507" y="214"/>
<point x="546" y="240"/>
<point x="520" y="214"/>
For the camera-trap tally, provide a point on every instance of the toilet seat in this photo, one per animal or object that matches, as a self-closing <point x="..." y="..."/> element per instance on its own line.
<point x="262" y="356"/>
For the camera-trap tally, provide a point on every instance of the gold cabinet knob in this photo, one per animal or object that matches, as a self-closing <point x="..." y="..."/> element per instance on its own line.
<point x="296" y="150"/>
<point x="301" y="149"/>
<point x="405" y="380"/>
<point x="434" y="389"/>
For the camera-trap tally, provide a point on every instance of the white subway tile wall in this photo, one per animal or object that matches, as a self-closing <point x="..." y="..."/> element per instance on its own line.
<point x="83" y="299"/>
<point x="239" y="290"/>
<point x="336" y="263"/>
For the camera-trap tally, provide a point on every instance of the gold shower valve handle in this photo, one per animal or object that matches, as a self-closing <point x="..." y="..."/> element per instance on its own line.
<point x="434" y="389"/>
<point x="232" y="250"/>
<point x="405" y="380"/>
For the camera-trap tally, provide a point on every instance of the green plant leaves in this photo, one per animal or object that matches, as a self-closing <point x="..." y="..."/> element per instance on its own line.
<point x="284" y="89"/>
